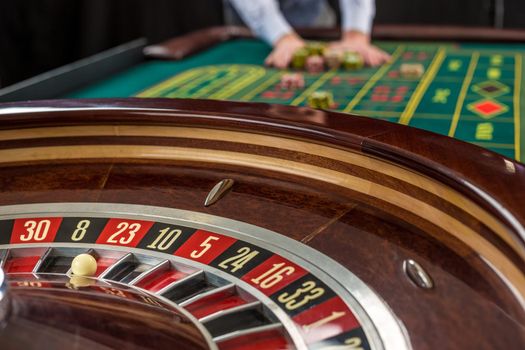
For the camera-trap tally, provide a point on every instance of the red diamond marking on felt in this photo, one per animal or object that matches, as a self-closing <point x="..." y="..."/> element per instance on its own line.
<point x="487" y="107"/>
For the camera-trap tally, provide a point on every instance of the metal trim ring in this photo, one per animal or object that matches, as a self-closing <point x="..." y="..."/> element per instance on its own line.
<point x="4" y="299"/>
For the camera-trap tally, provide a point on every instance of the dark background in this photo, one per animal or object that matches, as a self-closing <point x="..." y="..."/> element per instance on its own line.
<point x="38" y="35"/>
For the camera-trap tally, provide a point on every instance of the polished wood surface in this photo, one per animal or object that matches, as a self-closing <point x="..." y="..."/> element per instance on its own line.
<point x="186" y="45"/>
<point x="182" y="148"/>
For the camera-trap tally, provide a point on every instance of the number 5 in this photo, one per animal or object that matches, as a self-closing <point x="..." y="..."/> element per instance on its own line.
<point x="206" y="246"/>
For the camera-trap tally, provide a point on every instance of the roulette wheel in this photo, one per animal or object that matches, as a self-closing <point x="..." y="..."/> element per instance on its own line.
<point x="221" y="225"/>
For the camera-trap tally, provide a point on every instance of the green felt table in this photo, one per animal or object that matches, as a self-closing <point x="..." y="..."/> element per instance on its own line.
<point x="472" y="92"/>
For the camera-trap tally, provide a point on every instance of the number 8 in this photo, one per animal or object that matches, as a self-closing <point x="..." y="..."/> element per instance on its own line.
<point x="81" y="230"/>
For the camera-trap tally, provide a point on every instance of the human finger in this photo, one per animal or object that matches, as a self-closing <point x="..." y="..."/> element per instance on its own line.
<point x="269" y="59"/>
<point x="280" y="60"/>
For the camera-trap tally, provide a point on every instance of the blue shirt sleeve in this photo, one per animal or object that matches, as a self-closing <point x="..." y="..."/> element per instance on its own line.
<point x="357" y="15"/>
<point x="264" y="18"/>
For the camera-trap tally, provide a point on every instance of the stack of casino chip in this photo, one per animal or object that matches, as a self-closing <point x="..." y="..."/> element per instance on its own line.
<point x="333" y="59"/>
<point x="299" y="58"/>
<point x="321" y="99"/>
<point x="315" y="48"/>
<point x="292" y="81"/>
<point x="412" y="70"/>
<point x="315" y="57"/>
<point x="315" y="64"/>
<point x="353" y="60"/>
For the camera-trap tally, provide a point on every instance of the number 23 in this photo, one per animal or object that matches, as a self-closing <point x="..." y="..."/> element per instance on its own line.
<point x="122" y="227"/>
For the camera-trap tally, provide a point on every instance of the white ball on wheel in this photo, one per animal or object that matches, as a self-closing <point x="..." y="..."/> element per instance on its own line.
<point x="84" y="265"/>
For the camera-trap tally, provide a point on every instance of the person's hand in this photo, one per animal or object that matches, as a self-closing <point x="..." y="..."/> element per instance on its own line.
<point x="360" y="43"/>
<point x="283" y="50"/>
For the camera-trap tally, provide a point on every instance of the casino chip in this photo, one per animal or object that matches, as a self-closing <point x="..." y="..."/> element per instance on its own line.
<point x="333" y="58"/>
<point x="315" y="48"/>
<point x="321" y="99"/>
<point x="412" y="70"/>
<point x="299" y="58"/>
<point x="315" y="64"/>
<point x="353" y="60"/>
<point x="292" y="81"/>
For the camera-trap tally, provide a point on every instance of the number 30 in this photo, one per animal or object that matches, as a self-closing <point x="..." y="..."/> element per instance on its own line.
<point x="36" y="230"/>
